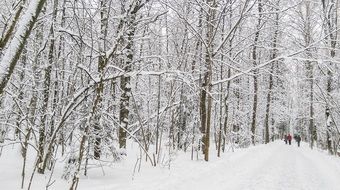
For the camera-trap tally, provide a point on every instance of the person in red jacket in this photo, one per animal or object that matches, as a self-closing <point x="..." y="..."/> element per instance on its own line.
<point x="289" y="137"/>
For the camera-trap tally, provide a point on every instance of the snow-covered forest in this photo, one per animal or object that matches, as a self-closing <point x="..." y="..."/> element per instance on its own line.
<point x="87" y="85"/>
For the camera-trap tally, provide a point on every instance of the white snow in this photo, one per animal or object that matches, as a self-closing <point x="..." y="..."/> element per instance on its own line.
<point x="275" y="166"/>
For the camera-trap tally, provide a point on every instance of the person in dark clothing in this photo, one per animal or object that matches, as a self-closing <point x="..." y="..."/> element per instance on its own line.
<point x="289" y="138"/>
<point x="286" y="139"/>
<point x="298" y="140"/>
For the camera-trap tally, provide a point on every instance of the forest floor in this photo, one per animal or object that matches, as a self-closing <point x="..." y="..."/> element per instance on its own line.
<point x="275" y="166"/>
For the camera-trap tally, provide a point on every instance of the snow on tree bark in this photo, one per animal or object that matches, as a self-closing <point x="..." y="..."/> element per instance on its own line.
<point x="17" y="44"/>
<point x="256" y="71"/>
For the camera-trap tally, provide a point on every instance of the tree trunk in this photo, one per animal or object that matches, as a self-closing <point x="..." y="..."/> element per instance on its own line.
<point x="8" y="34"/>
<point x="17" y="44"/>
<point x="256" y="71"/>
<point x="46" y="92"/>
<point x="206" y="98"/>
<point x="125" y="83"/>
<point x="331" y="32"/>
<point x="273" y="56"/>
<point x="98" y="104"/>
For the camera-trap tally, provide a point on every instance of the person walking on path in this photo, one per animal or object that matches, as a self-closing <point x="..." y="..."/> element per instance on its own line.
<point x="298" y="140"/>
<point x="289" y="137"/>
<point x="286" y="139"/>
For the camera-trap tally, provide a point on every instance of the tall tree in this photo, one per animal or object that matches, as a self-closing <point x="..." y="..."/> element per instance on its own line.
<point x="330" y="10"/>
<point x="273" y="56"/>
<point x="125" y="80"/>
<point x="256" y="71"/>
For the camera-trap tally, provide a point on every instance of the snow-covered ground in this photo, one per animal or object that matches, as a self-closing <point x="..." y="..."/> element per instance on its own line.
<point x="275" y="166"/>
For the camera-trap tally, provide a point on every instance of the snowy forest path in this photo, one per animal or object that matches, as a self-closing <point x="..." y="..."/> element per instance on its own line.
<point x="293" y="168"/>
<point x="275" y="166"/>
